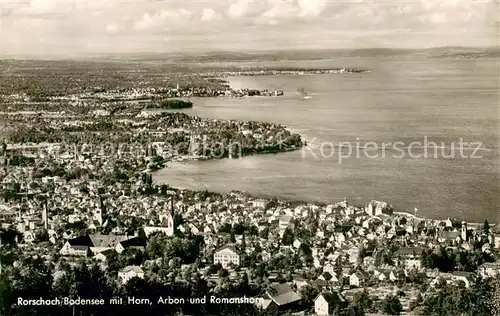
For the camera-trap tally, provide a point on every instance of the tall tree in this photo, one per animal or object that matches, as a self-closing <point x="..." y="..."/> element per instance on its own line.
<point x="6" y="298"/>
<point x="486" y="227"/>
<point x="243" y="242"/>
<point x="287" y="238"/>
<point x="232" y="237"/>
<point x="391" y="305"/>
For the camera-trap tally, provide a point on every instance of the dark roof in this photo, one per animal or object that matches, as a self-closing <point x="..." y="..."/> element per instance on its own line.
<point x="332" y="297"/>
<point x="491" y="264"/>
<point x="107" y="240"/>
<point x="80" y="241"/>
<point x="319" y="283"/>
<point x="106" y="252"/>
<point x="360" y="275"/>
<point x="282" y="294"/>
<point x="134" y="242"/>
<point x="136" y="269"/>
<point x="76" y="247"/>
<point x="467" y="275"/>
<point x="448" y="235"/>
<point x="230" y="247"/>
<point x="408" y="251"/>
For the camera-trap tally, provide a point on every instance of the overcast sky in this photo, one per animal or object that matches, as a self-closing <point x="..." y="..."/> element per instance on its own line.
<point x="113" y="26"/>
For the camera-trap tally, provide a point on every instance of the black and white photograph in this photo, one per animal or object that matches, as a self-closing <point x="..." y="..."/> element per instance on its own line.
<point x="249" y="157"/>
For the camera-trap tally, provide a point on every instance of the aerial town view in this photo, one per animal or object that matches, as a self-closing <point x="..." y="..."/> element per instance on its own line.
<point x="310" y="159"/>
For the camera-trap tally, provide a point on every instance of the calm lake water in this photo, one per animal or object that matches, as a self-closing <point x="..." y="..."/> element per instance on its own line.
<point x="403" y="99"/>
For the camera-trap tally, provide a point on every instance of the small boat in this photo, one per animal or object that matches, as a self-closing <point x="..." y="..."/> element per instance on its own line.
<point x="305" y="96"/>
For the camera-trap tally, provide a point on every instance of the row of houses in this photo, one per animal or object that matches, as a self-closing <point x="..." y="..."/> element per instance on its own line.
<point x="99" y="244"/>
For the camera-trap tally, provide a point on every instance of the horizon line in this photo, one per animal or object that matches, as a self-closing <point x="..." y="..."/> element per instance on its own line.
<point x="69" y="56"/>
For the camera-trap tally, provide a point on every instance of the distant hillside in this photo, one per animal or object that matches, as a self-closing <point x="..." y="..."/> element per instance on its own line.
<point x="464" y="52"/>
<point x="288" y="55"/>
<point x="298" y="55"/>
<point x="264" y="56"/>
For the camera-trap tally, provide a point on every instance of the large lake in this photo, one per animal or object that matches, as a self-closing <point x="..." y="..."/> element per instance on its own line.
<point x="406" y="99"/>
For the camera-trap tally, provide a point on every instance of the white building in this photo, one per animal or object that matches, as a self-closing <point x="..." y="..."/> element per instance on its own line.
<point x="356" y="279"/>
<point x="130" y="272"/>
<point x="225" y="255"/>
<point x="329" y="268"/>
<point x="285" y="222"/>
<point x="260" y="203"/>
<point x="326" y="303"/>
<point x="71" y="248"/>
<point x="489" y="269"/>
<point x="376" y="208"/>
<point x="496" y="240"/>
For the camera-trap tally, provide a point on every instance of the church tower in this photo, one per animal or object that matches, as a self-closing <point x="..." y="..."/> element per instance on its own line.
<point x="98" y="216"/>
<point x="102" y="204"/>
<point x="369" y="209"/>
<point x="172" y="214"/>
<point x="167" y="219"/>
<point x="463" y="231"/>
<point x="45" y="212"/>
<point x="172" y="211"/>
<point x="100" y="212"/>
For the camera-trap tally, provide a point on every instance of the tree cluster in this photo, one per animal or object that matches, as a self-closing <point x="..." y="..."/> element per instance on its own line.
<point x="481" y="298"/>
<point x="447" y="260"/>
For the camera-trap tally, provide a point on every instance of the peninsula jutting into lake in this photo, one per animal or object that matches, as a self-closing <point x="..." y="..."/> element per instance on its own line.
<point x="170" y="104"/>
<point x="287" y="71"/>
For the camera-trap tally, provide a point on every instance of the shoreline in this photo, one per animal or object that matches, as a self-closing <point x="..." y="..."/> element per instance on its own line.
<point x="423" y="218"/>
<point x="287" y="71"/>
<point x="174" y="164"/>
